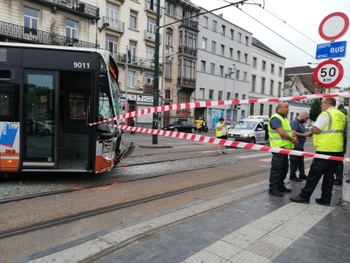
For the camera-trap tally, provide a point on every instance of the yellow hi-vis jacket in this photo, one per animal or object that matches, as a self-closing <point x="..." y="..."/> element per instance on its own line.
<point x="331" y="138"/>
<point x="275" y="139"/>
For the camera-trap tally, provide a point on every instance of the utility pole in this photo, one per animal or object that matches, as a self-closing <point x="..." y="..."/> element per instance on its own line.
<point x="156" y="77"/>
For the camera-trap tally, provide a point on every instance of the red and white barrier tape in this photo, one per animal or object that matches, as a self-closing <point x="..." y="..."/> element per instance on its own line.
<point x="243" y="145"/>
<point x="200" y="104"/>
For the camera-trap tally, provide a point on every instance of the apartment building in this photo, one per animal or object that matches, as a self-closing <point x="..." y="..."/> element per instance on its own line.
<point x="223" y="70"/>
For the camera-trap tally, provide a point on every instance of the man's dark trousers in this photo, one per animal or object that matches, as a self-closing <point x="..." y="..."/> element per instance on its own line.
<point x="279" y="170"/>
<point x="297" y="163"/>
<point x="318" y="168"/>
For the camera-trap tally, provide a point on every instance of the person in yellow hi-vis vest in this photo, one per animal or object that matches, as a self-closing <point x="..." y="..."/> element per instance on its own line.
<point x="221" y="133"/>
<point x="281" y="136"/>
<point x="329" y="139"/>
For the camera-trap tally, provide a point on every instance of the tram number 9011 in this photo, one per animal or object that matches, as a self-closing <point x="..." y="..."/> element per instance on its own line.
<point x="81" y="65"/>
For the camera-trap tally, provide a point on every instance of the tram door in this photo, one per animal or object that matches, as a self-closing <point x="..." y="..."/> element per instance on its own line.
<point x="56" y="115"/>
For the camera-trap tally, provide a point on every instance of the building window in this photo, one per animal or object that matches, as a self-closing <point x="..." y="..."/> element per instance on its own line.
<point x="149" y="79"/>
<point x="131" y="78"/>
<point x="239" y="37"/>
<point x="150" y="53"/>
<point x="169" y="8"/>
<point x="254" y="62"/>
<point x="247" y="41"/>
<point x="223" y="30"/>
<point x="271" y="87"/>
<point x="279" y="89"/>
<point x="212" y="68"/>
<point x="251" y="109"/>
<point x="220" y="95"/>
<point x="245" y="57"/>
<point x="238" y="72"/>
<point x="71" y="28"/>
<point x="238" y="55"/>
<point x="112" y="43"/>
<point x="112" y="11"/>
<point x="203" y="64"/>
<point x="31" y="17"/>
<point x="223" y="50"/>
<point x="231" y="52"/>
<point x="151" y="25"/>
<point x="211" y="94"/>
<point x="272" y="69"/>
<point x="133" y="19"/>
<point x="132" y="52"/>
<point x="221" y="70"/>
<point x="253" y="83"/>
<point x="228" y="96"/>
<point x="169" y="37"/>
<point x="229" y="73"/>
<point x="245" y="75"/>
<point x="213" y="46"/>
<point x="262" y="85"/>
<point x="264" y="65"/>
<point x="214" y="25"/>
<point x="201" y="94"/>
<point x="205" y="21"/>
<point x="232" y="34"/>
<point x="204" y="43"/>
<point x="188" y="68"/>
<point x="167" y="94"/>
<point x="261" y="109"/>
<point x="167" y="69"/>
<point x="280" y="71"/>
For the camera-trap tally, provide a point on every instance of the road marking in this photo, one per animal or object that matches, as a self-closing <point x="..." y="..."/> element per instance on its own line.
<point x="266" y="238"/>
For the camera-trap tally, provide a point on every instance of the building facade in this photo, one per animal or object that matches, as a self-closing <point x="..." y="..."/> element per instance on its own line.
<point x="223" y="69"/>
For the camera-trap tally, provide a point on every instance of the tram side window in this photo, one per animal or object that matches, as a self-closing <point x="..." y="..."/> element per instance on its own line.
<point x="77" y="106"/>
<point x="7" y="103"/>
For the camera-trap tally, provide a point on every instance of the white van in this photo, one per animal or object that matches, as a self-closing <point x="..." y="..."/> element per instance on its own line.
<point x="263" y="117"/>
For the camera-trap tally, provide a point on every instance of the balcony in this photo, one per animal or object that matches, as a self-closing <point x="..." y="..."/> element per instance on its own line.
<point x="40" y="37"/>
<point x="190" y="24"/>
<point x="134" y="61"/>
<point x="186" y="83"/>
<point x="74" y="6"/>
<point x="151" y="36"/>
<point x="185" y="50"/>
<point x="151" y="6"/>
<point x="115" y="25"/>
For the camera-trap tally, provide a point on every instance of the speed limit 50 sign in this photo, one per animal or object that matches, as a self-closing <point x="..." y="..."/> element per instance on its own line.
<point x="328" y="73"/>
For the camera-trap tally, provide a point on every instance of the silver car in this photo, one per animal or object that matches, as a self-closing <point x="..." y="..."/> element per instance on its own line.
<point x="249" y="130"/>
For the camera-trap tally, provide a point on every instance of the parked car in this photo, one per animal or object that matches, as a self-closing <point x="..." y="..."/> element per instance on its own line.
<point x="181" y="126"/>
<point x="249" y="130"/>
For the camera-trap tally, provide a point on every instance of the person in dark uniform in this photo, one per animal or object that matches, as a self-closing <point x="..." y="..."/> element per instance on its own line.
<point x="132" y="123"/>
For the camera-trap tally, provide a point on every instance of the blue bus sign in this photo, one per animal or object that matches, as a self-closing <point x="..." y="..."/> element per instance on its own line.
<point x="331" y="50"/>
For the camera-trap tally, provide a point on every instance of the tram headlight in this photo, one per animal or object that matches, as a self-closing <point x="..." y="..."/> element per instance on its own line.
<point x="108" y="151"/>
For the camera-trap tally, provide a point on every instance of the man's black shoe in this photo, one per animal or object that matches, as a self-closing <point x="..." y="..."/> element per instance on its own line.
<point x="275" y="193"/>
<point x="304" y="177"/>
<point x="338" y="182"/>
<point x="299" y="199"/>
<point x="320" y="201"/>
<point x="295" y="179"/>
<point x="285" y="190"/>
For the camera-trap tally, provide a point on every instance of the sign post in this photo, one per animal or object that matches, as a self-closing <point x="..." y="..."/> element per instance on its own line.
<point x="328" y="73"/>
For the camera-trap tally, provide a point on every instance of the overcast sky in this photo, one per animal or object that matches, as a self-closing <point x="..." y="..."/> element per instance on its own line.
<point x="297" y="37"/>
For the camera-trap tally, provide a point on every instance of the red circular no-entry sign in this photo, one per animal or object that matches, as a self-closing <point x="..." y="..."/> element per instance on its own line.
<point x="328" y="73"/>
<point x="334" y="26"/>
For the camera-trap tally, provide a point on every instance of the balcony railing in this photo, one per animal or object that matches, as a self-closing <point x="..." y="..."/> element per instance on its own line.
<point x="75" y="6"/>
<point x="151" y="36"/>
<point x="186" y="82"/>
<point x="133" y="60"/>
<point x="151" y="6"/>
<point x="115" y="25"/>
<point x="187" y="51"/>
<point x="190" y="24"/>
<point x="39" y="36"/>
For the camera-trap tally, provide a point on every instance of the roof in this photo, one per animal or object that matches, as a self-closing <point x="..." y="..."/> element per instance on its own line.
<point x="259" y="44"/>
<point x="305" y="74"/>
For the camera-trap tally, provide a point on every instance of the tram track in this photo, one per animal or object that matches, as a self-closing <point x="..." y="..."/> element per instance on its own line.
<point x="99" y="211"/>
<point x="125" y="180"/>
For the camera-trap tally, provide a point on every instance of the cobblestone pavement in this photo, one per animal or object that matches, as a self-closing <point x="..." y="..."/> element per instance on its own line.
<point x="244" y="225"/>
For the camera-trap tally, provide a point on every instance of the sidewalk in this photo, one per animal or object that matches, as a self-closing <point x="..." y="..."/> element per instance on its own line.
<point x="243" y="225"/>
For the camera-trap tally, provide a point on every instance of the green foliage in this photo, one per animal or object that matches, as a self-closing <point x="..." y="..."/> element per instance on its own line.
<point x="342" y="109"/>
<point x="315" y="109"/>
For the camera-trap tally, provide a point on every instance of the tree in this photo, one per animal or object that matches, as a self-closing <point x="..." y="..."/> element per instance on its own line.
<point x="315" y="109"/>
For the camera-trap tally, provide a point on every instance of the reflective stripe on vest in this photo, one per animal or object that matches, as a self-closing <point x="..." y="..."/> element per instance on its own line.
<point x="331" y="138"/>
<point x="275" y="139"/>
